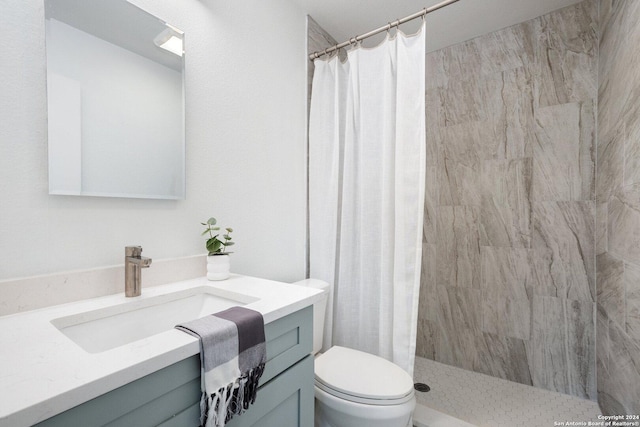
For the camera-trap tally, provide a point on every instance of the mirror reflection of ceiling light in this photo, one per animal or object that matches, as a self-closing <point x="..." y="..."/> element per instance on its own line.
<point x="170" y="39"/>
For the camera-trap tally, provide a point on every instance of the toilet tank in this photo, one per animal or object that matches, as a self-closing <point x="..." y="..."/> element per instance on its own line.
<point x="319" y="310"/>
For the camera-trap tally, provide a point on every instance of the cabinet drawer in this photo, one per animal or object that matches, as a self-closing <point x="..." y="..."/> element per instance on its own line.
<point x="289" y="339"/>
<point x="171" y="393"/>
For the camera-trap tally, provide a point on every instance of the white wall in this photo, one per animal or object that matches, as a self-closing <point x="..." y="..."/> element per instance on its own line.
<point x="245" y="133"/>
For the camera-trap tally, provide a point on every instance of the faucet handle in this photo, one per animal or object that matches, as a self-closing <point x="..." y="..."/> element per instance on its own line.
<point x="133" y="251"/>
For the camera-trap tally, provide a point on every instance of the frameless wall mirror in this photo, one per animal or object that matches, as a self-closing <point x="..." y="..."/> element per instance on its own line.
<point x="115" y="101"/>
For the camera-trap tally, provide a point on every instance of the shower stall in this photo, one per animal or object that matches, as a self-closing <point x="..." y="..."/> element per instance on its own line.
<point x="530" y="283"/>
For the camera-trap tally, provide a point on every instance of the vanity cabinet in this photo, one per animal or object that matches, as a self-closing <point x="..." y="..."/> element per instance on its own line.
<point x="170" y="397"/>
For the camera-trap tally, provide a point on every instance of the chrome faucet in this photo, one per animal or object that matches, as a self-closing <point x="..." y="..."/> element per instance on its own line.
<point x="134" y="262"/>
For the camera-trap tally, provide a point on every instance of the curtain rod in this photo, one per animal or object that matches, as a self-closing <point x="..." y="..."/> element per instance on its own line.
<point x="387" y="27"/>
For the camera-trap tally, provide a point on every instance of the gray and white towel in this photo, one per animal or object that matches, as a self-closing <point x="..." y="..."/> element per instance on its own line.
<point x="232" y="360"/>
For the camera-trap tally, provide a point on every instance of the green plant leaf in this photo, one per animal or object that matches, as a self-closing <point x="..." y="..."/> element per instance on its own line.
<point x="214" y="245"/>
<point x="212" y="221"/>
<point x="229" y="229"/>
<point x="205" y="232"/>
<point x="216" y="228"/>
<point x="229" y="244"/>
<point x="227" y="237"/>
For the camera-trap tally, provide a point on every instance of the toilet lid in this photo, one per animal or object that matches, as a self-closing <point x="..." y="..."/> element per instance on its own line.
<point x="362" y="375"/>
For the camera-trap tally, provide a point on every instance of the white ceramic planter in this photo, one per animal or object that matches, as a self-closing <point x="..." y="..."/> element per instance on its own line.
<point x="218" y="267"/>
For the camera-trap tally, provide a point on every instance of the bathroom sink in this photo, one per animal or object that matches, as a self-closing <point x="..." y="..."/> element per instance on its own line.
<point x="106" y="328"/>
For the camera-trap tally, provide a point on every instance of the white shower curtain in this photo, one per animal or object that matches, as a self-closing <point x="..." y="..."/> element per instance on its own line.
<point x="366" y="194"/>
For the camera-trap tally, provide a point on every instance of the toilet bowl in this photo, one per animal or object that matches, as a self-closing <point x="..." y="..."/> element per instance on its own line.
<point x="354" y="388"/>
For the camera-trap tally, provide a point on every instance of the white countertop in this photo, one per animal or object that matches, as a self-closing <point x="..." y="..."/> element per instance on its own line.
<point x="43" y="373"/>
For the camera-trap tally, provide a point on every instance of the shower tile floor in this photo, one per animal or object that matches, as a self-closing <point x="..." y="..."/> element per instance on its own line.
<point x="480" y="400"/>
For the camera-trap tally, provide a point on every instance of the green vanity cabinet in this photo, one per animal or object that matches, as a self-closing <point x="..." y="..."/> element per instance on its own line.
<point x="170" y="397"/>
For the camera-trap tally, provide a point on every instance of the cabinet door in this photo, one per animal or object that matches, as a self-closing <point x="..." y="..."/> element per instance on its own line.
<point x="286" y="401"/>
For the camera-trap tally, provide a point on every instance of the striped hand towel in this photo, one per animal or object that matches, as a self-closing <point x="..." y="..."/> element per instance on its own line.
<point x="232" y="360"/>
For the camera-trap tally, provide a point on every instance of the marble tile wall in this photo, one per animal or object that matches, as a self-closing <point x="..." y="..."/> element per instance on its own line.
<point x="509" y="267"/>
<point x="318" y="39"/>
<point x="618" y="208"/>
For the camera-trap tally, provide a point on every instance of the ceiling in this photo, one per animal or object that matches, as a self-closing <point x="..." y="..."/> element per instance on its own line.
<point x="453" y="24"/>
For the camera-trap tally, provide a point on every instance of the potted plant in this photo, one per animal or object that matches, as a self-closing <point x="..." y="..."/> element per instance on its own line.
<point x="218" y="262"/>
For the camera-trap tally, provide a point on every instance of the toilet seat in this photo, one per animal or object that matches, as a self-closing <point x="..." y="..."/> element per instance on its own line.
<point x="361" y="377"/>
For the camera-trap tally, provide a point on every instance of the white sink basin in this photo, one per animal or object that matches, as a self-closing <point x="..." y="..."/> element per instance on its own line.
<point x="110" y="327"/>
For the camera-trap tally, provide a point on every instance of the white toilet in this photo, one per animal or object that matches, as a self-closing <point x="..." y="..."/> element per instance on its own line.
<point x="353" y="388"/>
